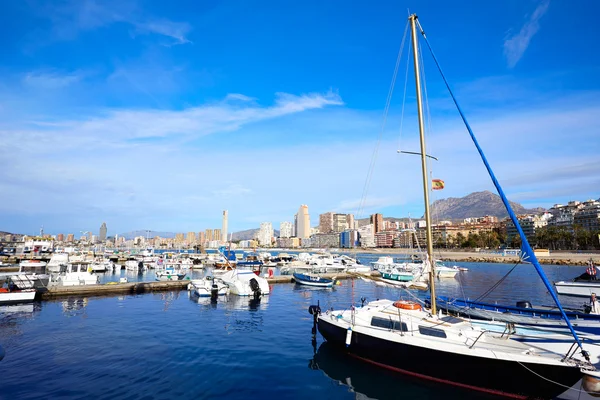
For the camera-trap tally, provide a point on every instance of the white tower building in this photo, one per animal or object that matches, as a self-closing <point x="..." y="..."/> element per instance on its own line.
<point x="224" y="237"/>
<point x="303" y="221"/>
<point x="285" y="229"/>
<point x="265" y="233"/>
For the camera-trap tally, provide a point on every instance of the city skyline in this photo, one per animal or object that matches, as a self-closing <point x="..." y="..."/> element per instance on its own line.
<point x="134" y="114"/>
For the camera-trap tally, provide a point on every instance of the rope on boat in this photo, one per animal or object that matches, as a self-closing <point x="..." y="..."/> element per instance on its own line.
<point x="550" y="380"/>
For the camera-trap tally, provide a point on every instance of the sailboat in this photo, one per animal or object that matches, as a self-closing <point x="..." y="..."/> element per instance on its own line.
<point x="410" y="338"/>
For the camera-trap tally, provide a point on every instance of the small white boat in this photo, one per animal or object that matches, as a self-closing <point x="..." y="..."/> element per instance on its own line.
<point x="134" y="265"/>
<point x="8" y="296"/>
<point x="245" y="283"/>
<point x="102" y="266"/>
<point x="208" y="287"/>
<point x="169" y="274"/>
<point x="31" y="275"/>
<point x="56" y="261"/>
<point x="76" y="274"/>
<point x="443" y="271"/>
<point x="577" y="288"/>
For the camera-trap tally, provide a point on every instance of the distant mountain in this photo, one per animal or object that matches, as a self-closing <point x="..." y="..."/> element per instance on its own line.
<point x="151" y="234"/>
<point x="248" y="234"/>
<point x="476" y="204"/>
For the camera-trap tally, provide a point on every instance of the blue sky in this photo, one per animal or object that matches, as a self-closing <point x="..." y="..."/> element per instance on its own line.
<point x="159" y="115"/>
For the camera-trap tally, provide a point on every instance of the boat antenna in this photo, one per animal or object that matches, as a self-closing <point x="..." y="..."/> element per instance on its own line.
<point x="525" y="247"/>
<point x="429" y="259"/>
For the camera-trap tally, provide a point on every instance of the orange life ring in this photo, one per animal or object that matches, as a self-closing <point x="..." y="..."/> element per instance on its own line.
<point x="3" y="290"/>
<point x="407" y="305"/>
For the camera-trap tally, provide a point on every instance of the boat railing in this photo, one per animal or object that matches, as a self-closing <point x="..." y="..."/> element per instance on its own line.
<point x="478" y="337"/>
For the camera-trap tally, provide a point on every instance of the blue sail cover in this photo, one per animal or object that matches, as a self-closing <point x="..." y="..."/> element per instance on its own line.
<point x="525" y="247"/>
<point x="227" y="253"/>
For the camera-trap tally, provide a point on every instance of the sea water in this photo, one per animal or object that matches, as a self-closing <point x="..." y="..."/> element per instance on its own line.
<point x="168" y="345"/>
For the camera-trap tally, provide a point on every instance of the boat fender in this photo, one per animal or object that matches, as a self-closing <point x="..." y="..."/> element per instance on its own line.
<point x="349" y="336"/>
<point x="591" y="383"/>
<point x="407" y="305"/>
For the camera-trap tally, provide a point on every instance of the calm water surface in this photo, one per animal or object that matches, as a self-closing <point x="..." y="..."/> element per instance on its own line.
<point x="170" y="345"/>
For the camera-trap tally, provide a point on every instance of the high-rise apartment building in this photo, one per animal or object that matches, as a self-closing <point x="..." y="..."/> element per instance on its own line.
<point x="191" y="237"/>
<point x="70" y="238"/>
<point x="60" y="237"/>
<point x="103" y="232"/>
<point x="326" y="222"/>
<point x="351" y="221"/>
<point x="224" y="227"/>
<point x="209" y="235"/>
<point x="217" y="236"/>
<point x="201" y="238"/>
<point x="179" y="238"/>
<point x="285" y="229"/>
<point x="265" y="233"/>
<point x="303" y="222"/>
<point x="340" y="222"/>
<point x="377" y="222"/>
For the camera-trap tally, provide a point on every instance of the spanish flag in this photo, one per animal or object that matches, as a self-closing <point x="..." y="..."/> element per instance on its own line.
<point x="437" y="184"/>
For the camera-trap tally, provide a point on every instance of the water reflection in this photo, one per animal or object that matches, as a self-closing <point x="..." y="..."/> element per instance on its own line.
<point x="21" y="310"/>
<point x="368" y="382"/>
<point x="74" y="306"/>
<point x="247" y="302"/>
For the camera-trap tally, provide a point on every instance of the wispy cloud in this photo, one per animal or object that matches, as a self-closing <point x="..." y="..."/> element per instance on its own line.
<point x="516" y="45"/>
<point x="73" y="17"/>
<point x="51" y="79"/>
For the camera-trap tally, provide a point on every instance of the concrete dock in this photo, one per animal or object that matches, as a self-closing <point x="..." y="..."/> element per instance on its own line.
<point x="156" y="286"/>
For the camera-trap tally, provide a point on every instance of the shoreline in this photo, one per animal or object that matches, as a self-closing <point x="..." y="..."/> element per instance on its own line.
<point x="555" y="258"/>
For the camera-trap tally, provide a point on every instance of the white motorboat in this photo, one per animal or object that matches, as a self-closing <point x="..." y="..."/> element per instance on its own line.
<point x="383" y="262"/>
<point x="208" y="287"/>
<point x="245" y="283"/>
<point x="102" y="266"/>
<point x="443" y="271"/>
<point x="57" y="261"/>
<point x="8" y="296"/>
<point x="578" y="288"/>
<point x="31" y="275"/>
<point x="349" y="264"/>
<point x="134" y="265"/>
<point x="75" y="274"/>
<point x="169" y="274"/>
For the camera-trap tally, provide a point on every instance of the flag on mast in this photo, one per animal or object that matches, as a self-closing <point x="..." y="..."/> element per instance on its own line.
<point x="437" y="184"/>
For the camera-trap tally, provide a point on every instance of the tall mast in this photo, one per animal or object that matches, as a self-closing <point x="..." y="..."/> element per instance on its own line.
<point x="413" y="28"/>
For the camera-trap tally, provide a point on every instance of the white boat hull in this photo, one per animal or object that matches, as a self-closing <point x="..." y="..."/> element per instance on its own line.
<point x="582" y="289"/>
<point x="21" y="296"/>
<point x="239" y="282"/>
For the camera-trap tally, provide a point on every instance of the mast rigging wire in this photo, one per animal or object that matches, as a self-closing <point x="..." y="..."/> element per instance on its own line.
<point x="385" y="114"/>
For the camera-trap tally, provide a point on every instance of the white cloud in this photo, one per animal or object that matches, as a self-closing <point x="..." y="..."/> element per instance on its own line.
<point x="84" y="15"/>
<point x="516" y="45"/>
<point x="50" y="79"/>
<point x="164" y="170"/>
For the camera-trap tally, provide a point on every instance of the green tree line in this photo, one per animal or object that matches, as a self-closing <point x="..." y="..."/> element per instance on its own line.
<point x="548" y="237"/>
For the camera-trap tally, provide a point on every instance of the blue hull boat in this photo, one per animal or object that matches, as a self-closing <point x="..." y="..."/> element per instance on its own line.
<point x="312" y="280"/>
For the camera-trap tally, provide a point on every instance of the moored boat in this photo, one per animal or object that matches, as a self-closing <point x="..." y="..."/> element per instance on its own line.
<point x="208" y="287"/>
<point x="313" y="280"/>
<point x="11" y="294"/>
<point x="405" y="337"/>
<point x="170" y="274"/>
<point x="245" y="283"/>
